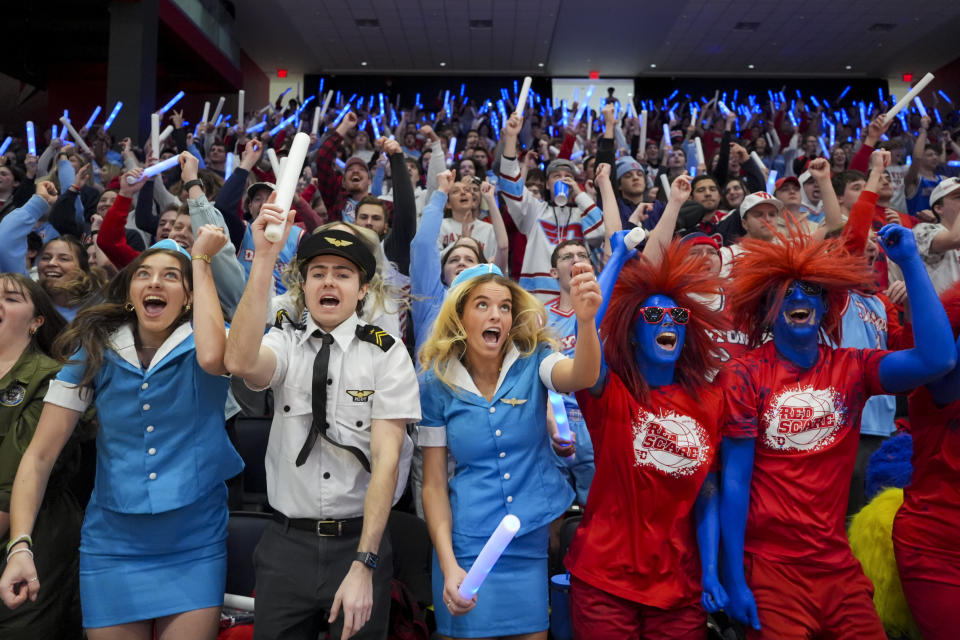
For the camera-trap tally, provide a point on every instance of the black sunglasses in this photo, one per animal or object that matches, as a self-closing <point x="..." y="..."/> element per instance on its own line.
<point x="808" y="288"/>
<point x="653" y="315"/>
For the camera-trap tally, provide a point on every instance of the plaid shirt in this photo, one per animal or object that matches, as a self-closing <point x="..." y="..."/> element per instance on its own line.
<point x="330" y="182"/>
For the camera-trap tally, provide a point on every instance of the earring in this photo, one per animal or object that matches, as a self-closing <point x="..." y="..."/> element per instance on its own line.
<point x="128" y="307"/>
<point x="187" y="308"/>
<point x="33" y="331"/>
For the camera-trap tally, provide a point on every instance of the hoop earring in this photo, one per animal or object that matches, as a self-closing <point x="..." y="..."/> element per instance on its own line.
<point x="128" y="307"/>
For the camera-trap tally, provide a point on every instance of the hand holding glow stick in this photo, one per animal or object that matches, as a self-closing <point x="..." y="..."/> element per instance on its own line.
<point x="155" y="169"/>
<point x="489" y="555"/>
<point x="31" y="139"/>
<point x="905" y="100"/>
<point x="524" y="90"/>
<point x="76" y="136"/>
<point x="287" y="183"/>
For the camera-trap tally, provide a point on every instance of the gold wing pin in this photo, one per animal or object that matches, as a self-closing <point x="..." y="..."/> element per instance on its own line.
<point x="513" y="402"/>
<point x="338" y="243"/>
<point x="360" y="395"/>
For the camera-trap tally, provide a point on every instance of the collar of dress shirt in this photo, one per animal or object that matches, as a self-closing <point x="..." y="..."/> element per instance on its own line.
<point x="122" y="342"/>
<point x="342" y="334"/>
<point x="462" y="378"/>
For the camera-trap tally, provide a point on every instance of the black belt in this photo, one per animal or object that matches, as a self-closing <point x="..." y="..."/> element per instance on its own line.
<point x="323" y="528"/>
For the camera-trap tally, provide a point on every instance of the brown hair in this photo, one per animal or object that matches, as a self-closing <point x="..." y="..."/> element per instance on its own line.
<point x="53" y="322"/>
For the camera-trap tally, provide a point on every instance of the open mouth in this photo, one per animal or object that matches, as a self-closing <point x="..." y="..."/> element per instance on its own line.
<point x="491" y="336"/>
<point x="799" y="316"/>
<point x="667" y="340"/>
<point x="153" y="306"/>
<point x="52" y="274"/>
<point x="329" y="302"/>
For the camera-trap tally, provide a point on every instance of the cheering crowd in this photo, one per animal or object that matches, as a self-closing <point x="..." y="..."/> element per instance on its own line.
<point x="709" y="324"/>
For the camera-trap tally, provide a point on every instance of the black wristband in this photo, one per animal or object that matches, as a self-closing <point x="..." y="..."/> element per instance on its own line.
<point x="196" y="182"/>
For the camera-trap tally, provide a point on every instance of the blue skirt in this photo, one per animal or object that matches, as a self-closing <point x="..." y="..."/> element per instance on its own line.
<point x="514" y="597"/>
<point x="137" y="566"/>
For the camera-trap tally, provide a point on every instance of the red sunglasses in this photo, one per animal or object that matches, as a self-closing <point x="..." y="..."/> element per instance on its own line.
<point x="653" y="315"/>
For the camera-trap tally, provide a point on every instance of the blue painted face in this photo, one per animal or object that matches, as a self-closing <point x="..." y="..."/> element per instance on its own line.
<point x="800" y="315"/>
<point x="658" y="343"/>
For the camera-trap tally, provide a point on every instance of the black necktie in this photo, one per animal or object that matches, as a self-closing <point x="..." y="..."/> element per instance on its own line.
<point x="319" y="425"/>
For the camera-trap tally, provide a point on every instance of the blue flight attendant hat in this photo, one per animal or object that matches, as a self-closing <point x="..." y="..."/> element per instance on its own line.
<point x="170" y="245"/>
<point x="474" y="271"/>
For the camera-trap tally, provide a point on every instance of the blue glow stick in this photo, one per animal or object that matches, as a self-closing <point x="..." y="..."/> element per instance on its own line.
<point x="416" y="101"/>
<point x="723" y="108"/>
<point x="447" y="107"/>
<point x="920" y="106"/>
<point x="723" y="96"/>
<point x="799" y="95"/>
<point x="320" y="90"/>
<point x="382" y="110"/>
<point x="283" y="123"/>
<point x="903" y="120"/>
<point x="463" y="89"/>
<point x="489" y="555"/>
<point x="583" y="106"/>
<point x="226" y="118"/>
<point x="363" y="125"/>
<point x="563" y="112"/>
<point x="945" y="97"/>
<point x="340" y="115"/>
<point x="92" y="118"/>
<point x="306" y="102"/>
<point x="228" y="167"/>
<point x="376" y="129"/>
<point x="814" y="100"/>
<point x="576" y="94"/>
<point x="174" y="100"/>
<point x="352" y="98"/>
<point x="560" y="415"/>
<point x="63" y="131"/>
<point x="793" y="119"/>
<point x="503" y="111"/>
<point x="953" y="163"/>
<point x="833" y="135"/>
<point x="53" y="132"/>
<point x="770" y="93"/>
<point x="6" y="143"/>
<point x="503" y="94"/>
<point x="549" y="108"/>
<point x="880" y="93"/>
<point x="340" y="164"/>
<point x="158" y="168"/>
<point x="936" y="112"/>
<point x="824" y="147"/>
<point x="113" y="115"/>
<point x="909" y="160"/>
<point x="845" y="91"/>
<point x="31" y="139"/>
<point x="257" y="127"/>
<point x="752" y="99"/>
<point x="783" y="98"/>
<point x="220" y="119"/>
<point x="669" y="98"/>
<point x="735" y="94"/>
<point x="772" y="181"/>
<point x="360" y="103"/>
<point x="793" y="105"/>
<point x="286" y="91"/>
<point x="338" y="97"/>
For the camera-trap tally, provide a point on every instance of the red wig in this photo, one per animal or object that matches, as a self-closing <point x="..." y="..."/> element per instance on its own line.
<point x="685" y="279"/>
<point x="761" y="274"/>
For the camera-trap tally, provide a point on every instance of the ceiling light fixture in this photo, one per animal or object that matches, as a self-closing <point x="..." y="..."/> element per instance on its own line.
<point x="540" y="64"/>
<point x="363" y="64"/>
<point x="749" y="66"/>
<point x="653" y="65"/>
<point x="443" y="64"/>
<point x="848" y="67"/>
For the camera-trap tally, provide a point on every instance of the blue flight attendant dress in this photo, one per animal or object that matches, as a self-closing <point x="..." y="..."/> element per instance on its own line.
<point x="504" y="464"/>
<point x="153" y="541"/>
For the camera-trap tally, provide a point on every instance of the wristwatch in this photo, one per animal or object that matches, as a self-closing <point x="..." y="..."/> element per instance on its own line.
<point x="196" y="182"/>
<point x="368" y="559"/>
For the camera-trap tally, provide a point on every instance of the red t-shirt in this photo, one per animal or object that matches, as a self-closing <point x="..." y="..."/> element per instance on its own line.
<point x="930" y="516"/>
<point x="637" y="539"/>
<point x="807" y="427"/>
<point x="733" y="342"/>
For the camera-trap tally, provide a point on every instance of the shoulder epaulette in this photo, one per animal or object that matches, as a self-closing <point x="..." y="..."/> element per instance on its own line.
<point x="375" y="335"/>
<point x="281" y="314"/>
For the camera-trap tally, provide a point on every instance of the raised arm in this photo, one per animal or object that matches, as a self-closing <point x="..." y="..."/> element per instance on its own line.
<point x="583" y="370"/>
<point x="610" y="210"/>
<point x="934" y="353"/>
<point x="911" y="179"/>
<point x="857" y="230"/>
<point x="16" y="226"/>
<point x="208" y="328"/>
<point x="489" y="194"/>
<point x="112" y="238"/>
<point x="819" y="169"/>
<point x="662" y="233"/>
<point x="245" y="355"/>
<point x="404" y="225"/>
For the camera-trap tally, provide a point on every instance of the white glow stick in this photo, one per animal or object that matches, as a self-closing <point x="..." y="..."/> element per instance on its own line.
<point x="524" y="90"/>
<point x="206" y="112"/>
<point x="316" y="121"/>
<point x="228" y="166"/>
<point x="274" y="163"/>
<point x="643" y="131"/>
<point x="700" y="157"/>
<point x="905" y="100"/>
<point x="666" y="134"/>
<point x="666" y="185"/>
<point x="589" y="123"/>
<point x="693" y="116"/>
<point x="75" y="135"/>
<point x="166" y="133"/>
<point x="560" y="416"/>
<point x="155" y="135"/>
<point x="216" y="112"/>
<point x="153" y="170"/>
<point x="283" y="166"/>
<point x="240" y="119"/>
<point x="772" y="181"/>
<point x="326" y="102"/>
<point x="287" y="183"/>
<point x="489" y="555"/>
<point x="31" y="139"/>
<point x="756" y="158"/>
<point x="243" y="603"/>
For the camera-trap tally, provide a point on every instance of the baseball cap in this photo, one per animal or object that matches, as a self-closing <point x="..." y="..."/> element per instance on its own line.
<point x="945" y="188"/>
<point x="169" y="245"/>
<point x="355" y="160"/>
<point x="782" y="181"/>
<point x="475" y="271"/>
<point x="336" y="242"/>
<point x="760" y="197"/>
<point x="699" y="237"/>
<point x="804" y="177"/>
<point x="257" y="186"/>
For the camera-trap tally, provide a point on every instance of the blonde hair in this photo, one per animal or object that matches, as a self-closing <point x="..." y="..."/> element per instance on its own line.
<point x="382" y="297"/>
<point x="448" y="340"/>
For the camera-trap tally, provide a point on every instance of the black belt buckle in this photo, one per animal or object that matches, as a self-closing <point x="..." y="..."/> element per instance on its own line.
<point x="322" y="534"/>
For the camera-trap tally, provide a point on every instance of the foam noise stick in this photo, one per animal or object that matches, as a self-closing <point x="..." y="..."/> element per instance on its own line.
<point x="905" y="100"/>
<point x="524" y="90"/>
<point x="489" y="555"/>
<point x="174" y="100"/>
<point x="155" y="169"/>
<point x="76" y="136"/>
<point x="92" y="118"/>
<point x="113" y="115"/>
<point x="287" y="183"/>
<point x="560" y="416"/>
<point x="31" y="139"/>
